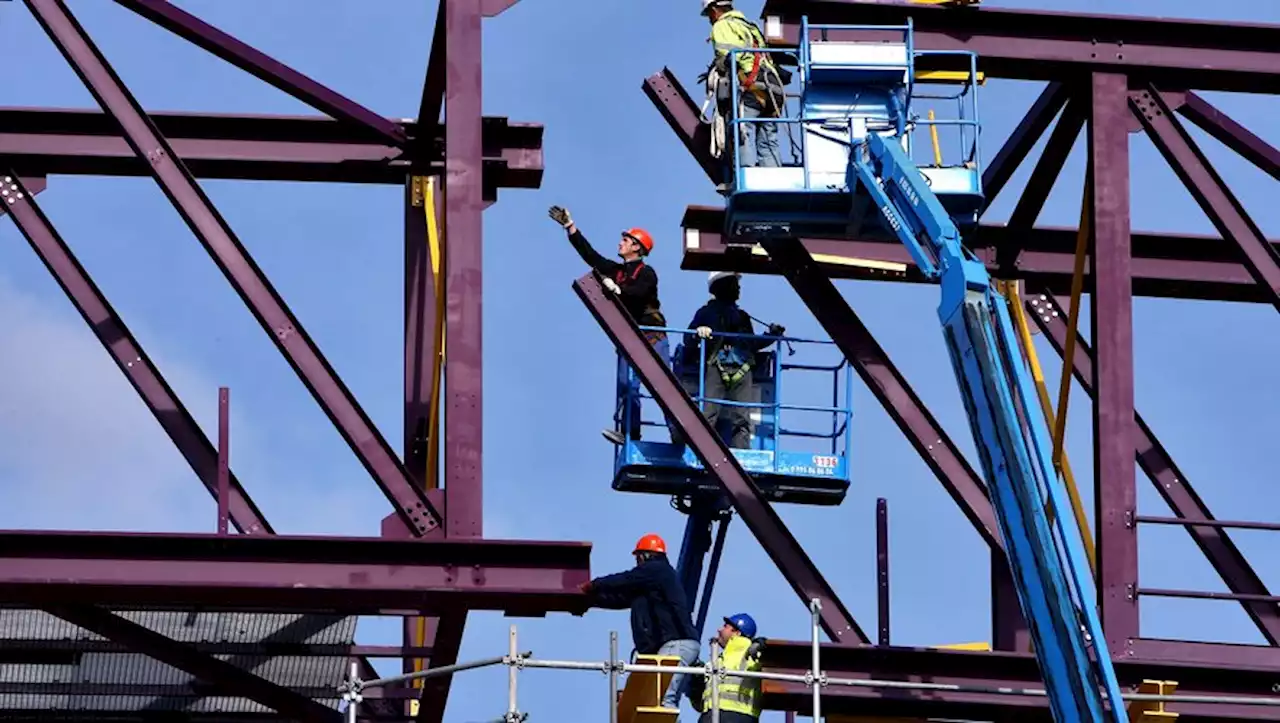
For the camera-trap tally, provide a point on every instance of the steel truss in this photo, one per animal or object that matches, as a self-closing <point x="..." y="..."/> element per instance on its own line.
<point x="472" y="157"/>
<point x="1111" y="76"/>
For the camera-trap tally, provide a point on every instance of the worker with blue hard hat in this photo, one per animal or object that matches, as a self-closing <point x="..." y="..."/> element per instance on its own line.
<point x="740" y="651"/>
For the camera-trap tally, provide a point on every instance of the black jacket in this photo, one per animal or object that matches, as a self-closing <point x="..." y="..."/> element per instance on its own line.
<point x="637" y="280"/>
<point x="659" y="610"/>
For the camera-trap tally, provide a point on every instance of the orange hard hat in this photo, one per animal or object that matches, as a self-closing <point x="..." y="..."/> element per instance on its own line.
<point x="641" y="237"/>
<point x="651" y="543"/>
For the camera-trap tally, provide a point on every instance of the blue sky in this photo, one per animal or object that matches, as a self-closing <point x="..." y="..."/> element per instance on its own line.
<point x="80" y="450"/>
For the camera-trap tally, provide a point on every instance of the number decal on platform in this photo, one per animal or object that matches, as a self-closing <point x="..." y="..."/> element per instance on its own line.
<point x="824" y="462"/>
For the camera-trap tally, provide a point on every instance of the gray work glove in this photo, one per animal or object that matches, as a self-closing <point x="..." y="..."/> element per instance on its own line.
<point x="560" y="215"/>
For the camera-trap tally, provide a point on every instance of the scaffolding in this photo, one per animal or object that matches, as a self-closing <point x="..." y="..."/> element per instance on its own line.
<point x="352" y="689"/>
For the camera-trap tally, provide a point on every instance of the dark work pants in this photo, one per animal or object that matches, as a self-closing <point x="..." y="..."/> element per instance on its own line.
<point x="738" y="418"/>
<point x="728" y="716"/>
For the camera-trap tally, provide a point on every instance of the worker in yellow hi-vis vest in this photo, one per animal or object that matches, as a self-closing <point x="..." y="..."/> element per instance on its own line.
<point x="739" y="696"/>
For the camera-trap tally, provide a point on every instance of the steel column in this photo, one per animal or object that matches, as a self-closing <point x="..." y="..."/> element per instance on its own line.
<point x="1112" y="312"/>
<point x="267" y="69"/>
<point x="128" y="355"/>
<point x="225" y="677"/>
<point x="1167" y="477"/>
<point x="218" y="238"/>
<point x="763" y="521"/>
<point x="434" y="82"/>
<point x="1208" y="188"/>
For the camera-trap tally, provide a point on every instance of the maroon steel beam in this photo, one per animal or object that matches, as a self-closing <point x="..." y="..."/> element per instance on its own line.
<point x="1023" y="138"/>
<point x="129" y="356"/>
<point x="1207" y="187"/>
<point x="769" y="529"/>
<point x="1044" y="45"/>
<point x="347" y="575"/>
<point x="1230" y="133"/>
<point x="998" y="669"/>
<point x="1043" y="176"/>
<point x="675" y="105"/>
<point x="260" y="147"/>
<point x="1166" y="265"/>
<point x="1114" y="469"/>
<point x="1216" y="544"/>
<point x="224" y="677"/>
<point x="70" y="649"/>
<point x="218" y="238"/>
<point x="433" y="83"/>
<point x="267" y="69"/>
<point x="33" y="186"/>
<point x="1224" y="655"/>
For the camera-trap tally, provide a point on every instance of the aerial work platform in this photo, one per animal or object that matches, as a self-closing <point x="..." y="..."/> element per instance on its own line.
<point x="804" y="461"/>
<point x="851" y="87"/>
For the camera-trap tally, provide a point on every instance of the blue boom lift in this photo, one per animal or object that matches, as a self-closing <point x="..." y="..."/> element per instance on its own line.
<point x="857" y="177"/>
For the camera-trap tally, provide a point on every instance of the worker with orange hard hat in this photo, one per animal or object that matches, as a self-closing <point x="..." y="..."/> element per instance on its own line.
<point x="636" y="284"/>
<point x="661" y="622"/>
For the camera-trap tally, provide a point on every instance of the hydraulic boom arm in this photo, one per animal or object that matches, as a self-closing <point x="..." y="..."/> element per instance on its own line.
<point x="1049" y="566"/>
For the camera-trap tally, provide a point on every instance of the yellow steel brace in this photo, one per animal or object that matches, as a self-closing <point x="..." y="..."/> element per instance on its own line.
<point x="1010" y="289"/>
<point x="1073" y="315"/>
<point x="1142" y="711"/>
<point x="424" y="188"/>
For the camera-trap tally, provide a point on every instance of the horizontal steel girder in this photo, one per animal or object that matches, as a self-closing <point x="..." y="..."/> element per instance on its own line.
<point x="1043" y="45"/>
<point x="1164" y="265"/>
<point x="39" y="141"/>
<point x="292" y="574"/>
<point x="990" y="670"/>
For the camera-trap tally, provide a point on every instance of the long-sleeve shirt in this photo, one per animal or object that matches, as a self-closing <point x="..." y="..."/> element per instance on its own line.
<point x="724" y="317"/>
<point x="733" y="31"/>
<point x="637" y="280"/>
<point x="659" y="610"/>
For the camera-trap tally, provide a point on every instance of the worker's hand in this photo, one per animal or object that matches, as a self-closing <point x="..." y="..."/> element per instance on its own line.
<point x="611" y="285"/>
<point x="702" y="78"/>
<point x="777" y="330"/>
<point x="585" y="587"/>
<point x="704" y="332"/>
<point x="560" y="215"/>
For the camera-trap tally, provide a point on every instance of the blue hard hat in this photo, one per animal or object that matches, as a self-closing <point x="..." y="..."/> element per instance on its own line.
<point x="744" y="623"/>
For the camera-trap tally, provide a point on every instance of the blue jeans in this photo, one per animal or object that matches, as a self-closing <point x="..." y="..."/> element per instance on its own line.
<point x="629" y="389"/>
<point x="688" y="652"/>
<point x="765" y="154"/>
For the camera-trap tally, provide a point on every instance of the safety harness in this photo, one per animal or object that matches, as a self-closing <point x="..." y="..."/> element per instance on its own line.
<point x="652" y="336"/>
<point x="768" y="90"/>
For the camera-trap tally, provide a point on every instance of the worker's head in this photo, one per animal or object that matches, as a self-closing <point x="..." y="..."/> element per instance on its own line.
<point x="724" y="285"/>
<point x="648" y="547"/>
<point x="635" y="243"/>
<point x="713" y="9"/>
<point x="734" y="625"/>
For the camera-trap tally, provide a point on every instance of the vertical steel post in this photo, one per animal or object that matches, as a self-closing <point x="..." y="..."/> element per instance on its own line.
<point x="353" y="694"/>
<point x="613" y="676"/>
<point x="224" y="459"/>
<point x="1114" y="463"/>
<point x="715" y="680"/>
<point x="882" y="567"/>
<point x="815" y="606"/>
<point x="512" y="671"/>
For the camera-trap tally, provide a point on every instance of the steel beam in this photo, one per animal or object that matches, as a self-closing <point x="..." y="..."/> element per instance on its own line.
<point x="1114" y="469"/>
<point x="1207" y="187"/>
<point x="680" y="112"/>
<point x="223" y="677"/>
<point x="128" y="355"/>
<point x="234" y="260"/>
<point x="433" y="82"/>
<point x="348" y="575"/>
<point x="1043" y="45"/>
<point x="1230" y="133"/>
<point x="1006" y="670"/>
<point x="258" y="147"/>
<point x="267" y="69"/>
<point x="1043" y="176"/>
<point x="750" y="504"/>
<point x="1163" y="265"/>
<point x="1216" y="544"/>
<point x="1224" y="655"/>
<point x="1023" y="138"/>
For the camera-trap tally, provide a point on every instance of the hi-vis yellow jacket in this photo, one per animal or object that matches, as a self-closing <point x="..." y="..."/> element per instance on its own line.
<point x="737" y="694"/>
<point x="733" y="31"/>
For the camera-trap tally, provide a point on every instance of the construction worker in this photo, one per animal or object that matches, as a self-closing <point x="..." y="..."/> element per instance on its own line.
<point x="636" y="284"/>
<point x="761" y="84"/>
<point x="661" y="623"/>
<point x="730" y="361"/>
<point x="739" y="697"/>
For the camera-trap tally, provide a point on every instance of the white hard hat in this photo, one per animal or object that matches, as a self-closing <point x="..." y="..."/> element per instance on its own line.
<point x="708" y="4"/>
<point x="717" y="275"/>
